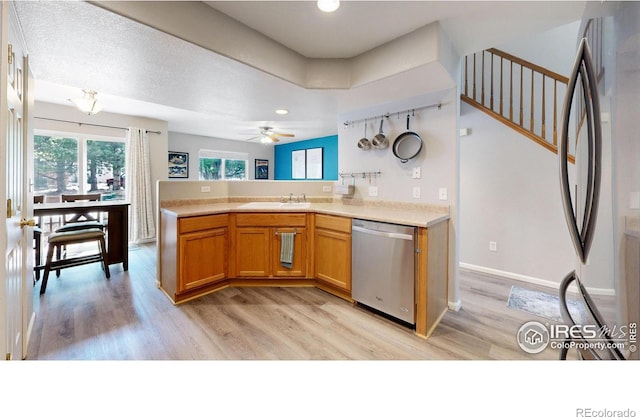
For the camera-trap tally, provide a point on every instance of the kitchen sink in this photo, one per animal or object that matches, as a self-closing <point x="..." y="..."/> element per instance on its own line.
<point x="274" y="205"/>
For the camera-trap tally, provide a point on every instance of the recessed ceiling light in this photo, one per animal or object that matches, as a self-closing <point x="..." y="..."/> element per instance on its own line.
<point x="328" y="5"/>
<point x="282" y="111"/>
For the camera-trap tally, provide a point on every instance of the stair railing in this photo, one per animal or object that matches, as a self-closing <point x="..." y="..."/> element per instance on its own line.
<point x="516" y="92"/>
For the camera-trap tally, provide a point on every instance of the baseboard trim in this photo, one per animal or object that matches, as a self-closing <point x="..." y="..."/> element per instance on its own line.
<point x="525" y="278"/>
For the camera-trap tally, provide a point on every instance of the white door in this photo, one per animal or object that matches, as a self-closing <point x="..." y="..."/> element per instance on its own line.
<point x="16" y="287"/>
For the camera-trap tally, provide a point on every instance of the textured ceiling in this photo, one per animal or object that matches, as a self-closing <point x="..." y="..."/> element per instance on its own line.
<point x="141" y="71"/>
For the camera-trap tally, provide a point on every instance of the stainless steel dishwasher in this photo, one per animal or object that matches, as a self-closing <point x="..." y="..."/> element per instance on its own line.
<point x="383" y="267"/>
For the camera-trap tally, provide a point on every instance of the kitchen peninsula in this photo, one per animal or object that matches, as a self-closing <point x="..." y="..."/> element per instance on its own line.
<point x="206" y="245"/>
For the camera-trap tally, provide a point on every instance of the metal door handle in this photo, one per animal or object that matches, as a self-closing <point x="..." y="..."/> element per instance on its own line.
<point x="25" y="222"/>
<point x="383" y="234"/>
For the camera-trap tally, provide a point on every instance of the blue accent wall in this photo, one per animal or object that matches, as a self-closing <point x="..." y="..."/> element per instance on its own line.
<point x="282" y="157"/>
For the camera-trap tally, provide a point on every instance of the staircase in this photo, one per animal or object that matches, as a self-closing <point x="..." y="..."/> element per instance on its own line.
<point x="522" y="95"/>
<point x="527" y="97"/>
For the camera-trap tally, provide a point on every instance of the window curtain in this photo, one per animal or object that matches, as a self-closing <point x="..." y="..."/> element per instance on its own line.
<point x="138" y="187"/>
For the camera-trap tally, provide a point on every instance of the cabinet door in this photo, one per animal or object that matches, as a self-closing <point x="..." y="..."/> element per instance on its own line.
<point x="333" y="258"/>
<point x="253" y="251"/>
<point x="203" y="258"/>
<point x="299" y="265"/>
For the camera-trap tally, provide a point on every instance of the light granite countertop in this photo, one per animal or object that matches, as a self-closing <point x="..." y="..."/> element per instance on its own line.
<point x="398" y="213"/>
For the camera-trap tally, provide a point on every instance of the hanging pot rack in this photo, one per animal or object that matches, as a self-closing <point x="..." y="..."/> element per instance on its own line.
<point x="363" y="175"/>
<point x="387" y="115"/>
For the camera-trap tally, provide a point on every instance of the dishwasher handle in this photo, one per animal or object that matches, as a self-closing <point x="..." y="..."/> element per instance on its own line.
<point x="383" y="234"/>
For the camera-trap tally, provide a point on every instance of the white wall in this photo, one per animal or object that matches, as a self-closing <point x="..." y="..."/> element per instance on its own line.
<point x="438" y="160"/>
<point x="510" y="194"/>
<point x="183" y="142"/>
<point x="68" y="113"/>
<point x="551" y="49"/>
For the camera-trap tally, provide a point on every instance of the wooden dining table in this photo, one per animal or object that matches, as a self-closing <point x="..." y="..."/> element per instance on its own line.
<point x="117" y="227"/>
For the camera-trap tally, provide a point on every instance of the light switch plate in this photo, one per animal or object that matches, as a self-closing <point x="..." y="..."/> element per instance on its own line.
<point x="416" y="192"/>
<point x="373" y="191"/>
<point x="442" y="193"/>
<point x="416" y="172"/>
<point x="493" y="246"/>
<point x="205" y="189"/>
<point x="326" y="188"/>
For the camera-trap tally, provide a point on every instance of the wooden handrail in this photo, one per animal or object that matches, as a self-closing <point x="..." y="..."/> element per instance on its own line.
<point x="530" y="102"/>
<point x="530" y="65"/>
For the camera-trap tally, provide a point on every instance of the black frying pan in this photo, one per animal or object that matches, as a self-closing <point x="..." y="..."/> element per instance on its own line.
<point x="408" y="145"/>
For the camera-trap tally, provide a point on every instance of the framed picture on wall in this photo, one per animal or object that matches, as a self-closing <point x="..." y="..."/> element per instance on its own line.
<point x="178" y="165"/>
<point x="298" y="164"/>
<point x="262" y="169"/>
<point x="314" y="163"/>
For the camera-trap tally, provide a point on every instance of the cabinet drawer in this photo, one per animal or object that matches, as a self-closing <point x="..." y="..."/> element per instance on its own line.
<point x="339" y="224"/>
<point x="271" y="219"/>
<point x="193" y="224"/>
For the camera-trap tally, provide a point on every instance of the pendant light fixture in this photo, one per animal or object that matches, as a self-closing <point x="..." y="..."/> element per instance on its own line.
<point x="328" y="5"/>
<point x="88" y="103"/>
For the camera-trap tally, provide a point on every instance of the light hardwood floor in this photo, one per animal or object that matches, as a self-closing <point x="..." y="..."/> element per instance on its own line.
<point x="85" y="316"/>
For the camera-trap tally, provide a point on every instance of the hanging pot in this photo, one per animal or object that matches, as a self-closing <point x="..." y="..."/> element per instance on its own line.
<point x="380" y="141"/>
<point x="364" y="143"/>
<point x="408" y="145"/>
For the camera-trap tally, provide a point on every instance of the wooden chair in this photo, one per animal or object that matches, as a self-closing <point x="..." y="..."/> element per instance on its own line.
<point x="48" y="222"/>
<point x="58" y="239"/>
<point x="37" y="241"/>
<point x="80" y="221"/>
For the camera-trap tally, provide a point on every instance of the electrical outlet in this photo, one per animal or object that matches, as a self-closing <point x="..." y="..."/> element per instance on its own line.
<point x="493" y="246"/>
<point x="416" y="172"/>
<point x="416" y="192"/>
<point x="373" y="191"/>
<point x="326" y="188"/>
<point x="205" y="189"/>
<point x="442" y="194"/>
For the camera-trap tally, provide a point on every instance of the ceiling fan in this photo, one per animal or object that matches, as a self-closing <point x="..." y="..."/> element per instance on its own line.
<point x="268" y="135"/>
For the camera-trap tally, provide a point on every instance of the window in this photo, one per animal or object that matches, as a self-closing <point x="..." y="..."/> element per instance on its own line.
<point x="71" y="165"/>
<point x="222" y="165"/>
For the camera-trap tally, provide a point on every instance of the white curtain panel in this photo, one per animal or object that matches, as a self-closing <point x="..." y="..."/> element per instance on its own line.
<point x="138" y="187"/>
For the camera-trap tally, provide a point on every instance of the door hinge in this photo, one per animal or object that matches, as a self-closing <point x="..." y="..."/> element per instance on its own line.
<point x="9" y="356"/>
<point x="9" y="209"/>
<point x="10" y="54"/>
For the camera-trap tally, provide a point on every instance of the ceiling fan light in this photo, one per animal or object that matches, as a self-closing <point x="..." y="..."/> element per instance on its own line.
<point x="328" y="5"/>
<point x="266" y="140"/>
<point x="88" y="103"/>
<point x="282" y="111"/>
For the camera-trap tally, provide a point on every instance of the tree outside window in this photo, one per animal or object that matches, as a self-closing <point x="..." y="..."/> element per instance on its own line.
<point x="210" y="168"/>
<point x="105" y="159"/>
<point x="222" y="165"/>
<point x="79" y="166"/>
<point x="55" y="164"/>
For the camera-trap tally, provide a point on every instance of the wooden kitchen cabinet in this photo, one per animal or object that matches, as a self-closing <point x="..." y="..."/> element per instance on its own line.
<point x="257" y="242"/>
<point x="203" y="258"/>
<point x="194" y="254"/>
<point x="253" y="254"/>
<point x="332" y="252"/>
